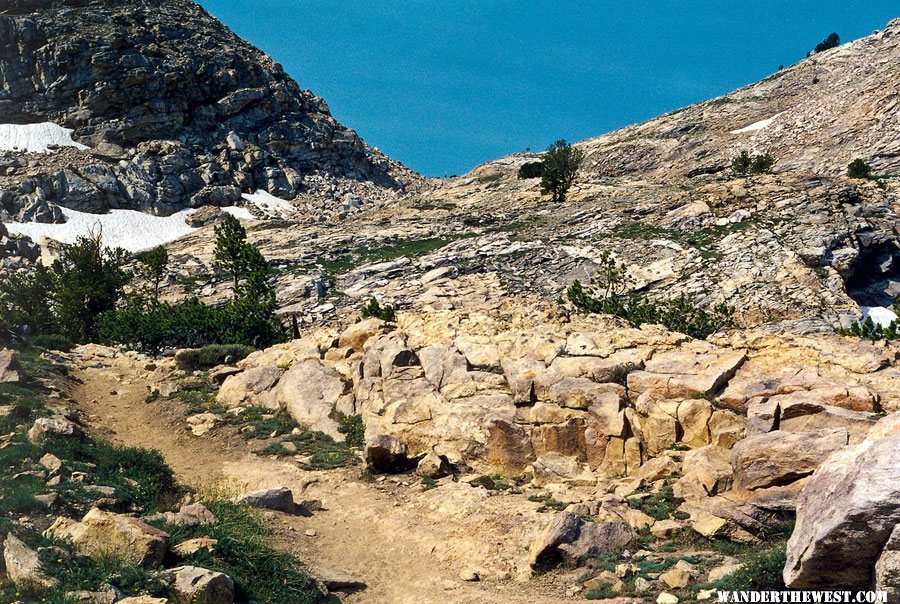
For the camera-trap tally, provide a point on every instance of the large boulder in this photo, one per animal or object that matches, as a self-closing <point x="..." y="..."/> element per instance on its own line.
<point x="103" y="533"/>
<point x="10" y="370"/>
<point x="846" y="514"/>
<point x="57" y="425"/>
<point x="309" y="392"/>
<point x="22" y="563"/>
<point x="779" y="458"/>
<point x="252" y="387"/>
<point x="280" y="499"/>
<point x="568" y="538"/>
<point x="195" y="585"/>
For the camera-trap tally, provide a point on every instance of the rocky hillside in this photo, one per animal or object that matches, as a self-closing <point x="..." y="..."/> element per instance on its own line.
<point x="813" y="117"/>
<point x="170" y="110"/>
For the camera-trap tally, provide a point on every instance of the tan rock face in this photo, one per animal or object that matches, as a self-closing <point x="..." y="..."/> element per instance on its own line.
<point x="22" y="563"/>
<point x="10" y="369"/>
<point x="309" y="391"/>
<point x="195" y="585"/>
<point x="779" y="458"/>
<point x="847" y="513"/>
<point x="251" y="387"/>
<point x="103" y="533"/>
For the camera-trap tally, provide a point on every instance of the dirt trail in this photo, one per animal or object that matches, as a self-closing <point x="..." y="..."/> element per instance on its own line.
<point x="383" y="533"/>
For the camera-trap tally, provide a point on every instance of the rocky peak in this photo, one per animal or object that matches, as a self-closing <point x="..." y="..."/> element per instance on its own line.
<point x="175" y="108"/>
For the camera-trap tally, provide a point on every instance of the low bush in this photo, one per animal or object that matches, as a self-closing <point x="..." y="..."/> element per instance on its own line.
<point x="374" y="309"/>
<point x="858" y="168"/>
<point x="52" y="341"/>
<point x="192" y="359"/>
<point x="831" y="41"/>
<point x="744" y="163"/>
<point x="870" y="330"/>
<point x="761" y="571"/>
<point x="150" y="326"/>
<point x="678" y="314"/>
<point x="532" y="169"/>
<point x="352" y="427"/>
<point x="260" y="572"/>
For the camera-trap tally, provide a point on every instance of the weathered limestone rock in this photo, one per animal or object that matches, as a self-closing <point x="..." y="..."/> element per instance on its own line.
<point x="251" y="387"/>
<point x="22" y="563"/>
<point x="10" y="370"/>
<point x="779" y="458"/>
<point x="433" y="466"/>
<point x="706" y="472"/>
<point x="846" y="513"/>
<point x="568" y="537"/>
<point x="696" y="368"/>
<point x="103" y="533"/>
<point x="358" y="334"/>
<point x="57" y="425"/>
<point x="194" y="514"/>
<point x="195" y="585"/>
<point x="280" y="499"/>
<point x="192" y="546"/>
<point x="309" y="391"/>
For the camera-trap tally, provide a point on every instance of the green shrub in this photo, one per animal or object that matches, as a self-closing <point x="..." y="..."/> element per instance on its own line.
<point x="870" y="330"/>
<point x="678" y="314"/>
<point x="192" y="359"/>
<point x="831" y="41"/>
<point x="260" y="572"/>
<point x="744" y="163"/>
<point x="52" y="341"/>
<point x="374" y="309"/>
<point x="532" y="169"/>
<point x="859" y="169"/>
<point x="619" y="373"/>
<point x="150" y="326"/>
<point x="352" y="427"/>
<point x="659" y="506"/>
<point x="139" y="476"/>
<point x="761" y="571"/>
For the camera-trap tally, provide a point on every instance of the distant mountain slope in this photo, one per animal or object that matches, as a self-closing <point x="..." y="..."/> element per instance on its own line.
<point x="176" y="109"/>
<point x="815" y="117"/>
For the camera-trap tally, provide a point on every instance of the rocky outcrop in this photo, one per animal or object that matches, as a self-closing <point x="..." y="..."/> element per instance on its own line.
<point x="10" y="369"/>
<point x="847" y="513"/>
<point x="22" y="564"/>
<point x="195" y="585"/>
<point x="102" y="533"/>
<point x="568" y="538"/>
<point x="175" y="109"/>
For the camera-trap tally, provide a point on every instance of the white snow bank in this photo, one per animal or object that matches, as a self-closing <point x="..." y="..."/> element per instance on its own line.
<point x="757" y="125"/>
<point x="880" y="315"/>
<point x="270" y="205"/>
<point x="35" y="137"/>
<point x="128" y="229"/>
<point x="239" y="213"/>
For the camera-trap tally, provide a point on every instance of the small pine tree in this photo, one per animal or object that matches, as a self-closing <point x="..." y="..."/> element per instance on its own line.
<point x="832" y="41"/>
<point x="152" y="266"/>
<point x="858" y="168"/>
<point x="762" y="164"/>
<point x="230" y="250"/>
<point x="88" y="279"/>
<point x="561" y="163"/>
<point x="740" y="165"/>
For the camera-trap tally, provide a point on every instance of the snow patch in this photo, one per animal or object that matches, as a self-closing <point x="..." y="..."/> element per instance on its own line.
<point x="35" y="138"/>
<point x="880" y="315"/>
<point x="129" y="229"/>
<point x="757" y="125"/>
<point x="239" y="213"/>
<point x="270" y="205"/>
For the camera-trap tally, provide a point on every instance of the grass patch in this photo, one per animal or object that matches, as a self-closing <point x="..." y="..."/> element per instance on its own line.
<point x="342" y="263"/>
<point x="547" y="503"/>
<point x="323" y="452"/>
<point x="659" y="506"/>
<point x="192" y="359"/>
<point x="260" y="422"/>
<point x="260" y="572"/>
<point x="352" y="427"/>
